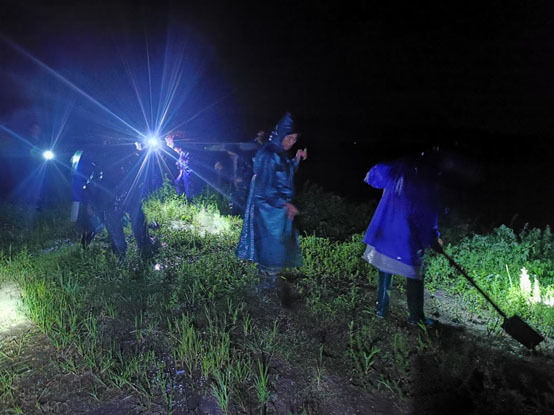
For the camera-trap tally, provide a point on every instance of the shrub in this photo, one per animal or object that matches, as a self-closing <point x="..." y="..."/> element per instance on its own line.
<point x="327" y="215"/>
<point x="495" y="263"/>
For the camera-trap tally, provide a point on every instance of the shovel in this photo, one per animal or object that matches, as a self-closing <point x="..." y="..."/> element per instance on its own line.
<point x="514" y="326"/>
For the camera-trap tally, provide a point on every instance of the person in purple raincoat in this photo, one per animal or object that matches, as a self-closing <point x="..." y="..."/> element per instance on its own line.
<point x="182" y="181"/>
<point x="404" y="224"/>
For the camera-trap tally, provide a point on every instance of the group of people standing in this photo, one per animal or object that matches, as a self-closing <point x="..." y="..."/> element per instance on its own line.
<point x="404" y="224"/>
<point x="109" y="182"/>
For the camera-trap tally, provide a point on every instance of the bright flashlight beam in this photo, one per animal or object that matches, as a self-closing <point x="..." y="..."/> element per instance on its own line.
<point x="10" y="303"/>
<point x="203" y="178"/>
<point x="137" y="93"/>
<point x="13" y="133"/>
<point x="48" y="155"/>
<point x="67" y="82"/>
<point x="171" y="77"/>
<point x="153" y="141"/>
<point x="211" y="184"/>
<point x="140" y="173"/>
<point x="199" y="112"/>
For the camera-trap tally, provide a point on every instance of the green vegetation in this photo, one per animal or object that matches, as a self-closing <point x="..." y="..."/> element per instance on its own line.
<point x="190" y="317"/>
<point x="498" y="263"/>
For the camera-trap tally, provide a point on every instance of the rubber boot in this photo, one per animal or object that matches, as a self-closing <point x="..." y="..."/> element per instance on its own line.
<point x="383" y="287"/>
<point x="269" y="278"/>
<point x="414" y="294"/>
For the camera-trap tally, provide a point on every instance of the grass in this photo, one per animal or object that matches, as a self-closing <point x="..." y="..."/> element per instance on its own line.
<point x="139" y="327"/>
<point x="495" y="262"/>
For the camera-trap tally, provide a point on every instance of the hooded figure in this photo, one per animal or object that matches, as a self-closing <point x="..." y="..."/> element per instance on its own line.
<point x="404" y="224"/>
<point x="182" y="181"/>
<point x="107" y="182"/>
<point x="268" y="236"/>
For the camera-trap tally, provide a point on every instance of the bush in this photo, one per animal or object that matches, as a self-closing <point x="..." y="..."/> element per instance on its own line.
<point x="495" y="263"/>
<point x="330" y="216"/>
<point x="335" y="275"/>
<point x="24" y="227"/>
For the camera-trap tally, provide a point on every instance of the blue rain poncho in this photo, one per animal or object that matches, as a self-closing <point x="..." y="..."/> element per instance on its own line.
<point x="405" y="222"/>
<point x="268" y="236"/>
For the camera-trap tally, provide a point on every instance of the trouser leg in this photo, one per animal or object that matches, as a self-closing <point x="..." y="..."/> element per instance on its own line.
<point x="414" y="296"/>
<point x="115" y="229"/>
<point x="268" y="277"/>
<point x="186" y="186"/>
<point x="138" y="224"/>
<point x="384" y="284"/>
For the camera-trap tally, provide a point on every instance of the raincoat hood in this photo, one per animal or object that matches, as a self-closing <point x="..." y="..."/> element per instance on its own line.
<point x="284" y="127"/>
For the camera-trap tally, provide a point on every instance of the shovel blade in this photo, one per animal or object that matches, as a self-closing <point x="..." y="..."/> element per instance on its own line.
<point x="522" y="332"/>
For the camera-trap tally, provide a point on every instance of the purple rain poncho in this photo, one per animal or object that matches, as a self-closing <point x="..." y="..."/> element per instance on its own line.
<point x="405" y="222"/>
<point x="182" y="181"/>
<point x="268" y="236"/>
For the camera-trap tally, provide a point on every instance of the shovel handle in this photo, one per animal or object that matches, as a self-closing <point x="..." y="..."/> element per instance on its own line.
<point x="440" y="250"/>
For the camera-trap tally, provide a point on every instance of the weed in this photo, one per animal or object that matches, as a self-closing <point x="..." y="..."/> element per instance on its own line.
<point x="221" y="389"/>
<point x="264" y="342"/>
<point x="391" y="385"/>
<point x="424" y="341"/>
<point x="187" y="345"/>
<point x="247" y="325"/>
<point x="120" y="317"/>
<point x="488" y="260"/>
<point x="401" y="353"/>
<point x="6" y="385"/>
<point x="362" y="357"/>
<point x="261" y="386"/>
<point x="319" y="366"/>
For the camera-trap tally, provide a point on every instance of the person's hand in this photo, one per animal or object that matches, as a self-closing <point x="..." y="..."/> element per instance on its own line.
<point x="169" y="141"/>
<point x="302" y="154"/>
<point x="291" y="210"/>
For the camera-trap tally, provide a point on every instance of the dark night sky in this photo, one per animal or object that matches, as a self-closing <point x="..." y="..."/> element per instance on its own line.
<point x="355" y="65"/>
<point x="379" y="75"/>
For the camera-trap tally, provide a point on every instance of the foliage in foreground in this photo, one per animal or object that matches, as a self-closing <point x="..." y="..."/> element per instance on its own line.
<point x="144" y="327"/>
<point x="24" y="227"/>
<point x="497" y="262"/>
<point x="330" y="216"/>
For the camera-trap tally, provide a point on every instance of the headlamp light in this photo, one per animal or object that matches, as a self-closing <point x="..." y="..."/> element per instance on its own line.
<point x="48" y="155"/>
<point x="152" y="143"/>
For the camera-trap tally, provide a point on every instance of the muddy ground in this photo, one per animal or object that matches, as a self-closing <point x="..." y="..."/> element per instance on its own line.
<point x="475" y="372"/>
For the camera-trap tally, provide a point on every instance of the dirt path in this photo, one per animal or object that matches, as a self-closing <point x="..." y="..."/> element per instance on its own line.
<point x="475" y="365"/>
<point x="36" y="377"/>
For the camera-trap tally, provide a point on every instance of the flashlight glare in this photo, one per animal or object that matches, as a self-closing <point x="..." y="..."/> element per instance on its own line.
<point x="153" y="141"/>
<point x="48" y="155"/>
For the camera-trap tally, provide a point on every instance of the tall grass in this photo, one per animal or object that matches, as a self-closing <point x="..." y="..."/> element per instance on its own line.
<point x="139" y="325"/>
<point x="495" y="262"/>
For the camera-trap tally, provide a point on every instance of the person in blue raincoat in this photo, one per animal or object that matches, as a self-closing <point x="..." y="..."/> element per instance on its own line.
<point x="182" y="181"/>
<point x="107" y="185"/>
<point x="404" y="224"/>
<point x="88" y="221"/>
<point x="268" y="236"/>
